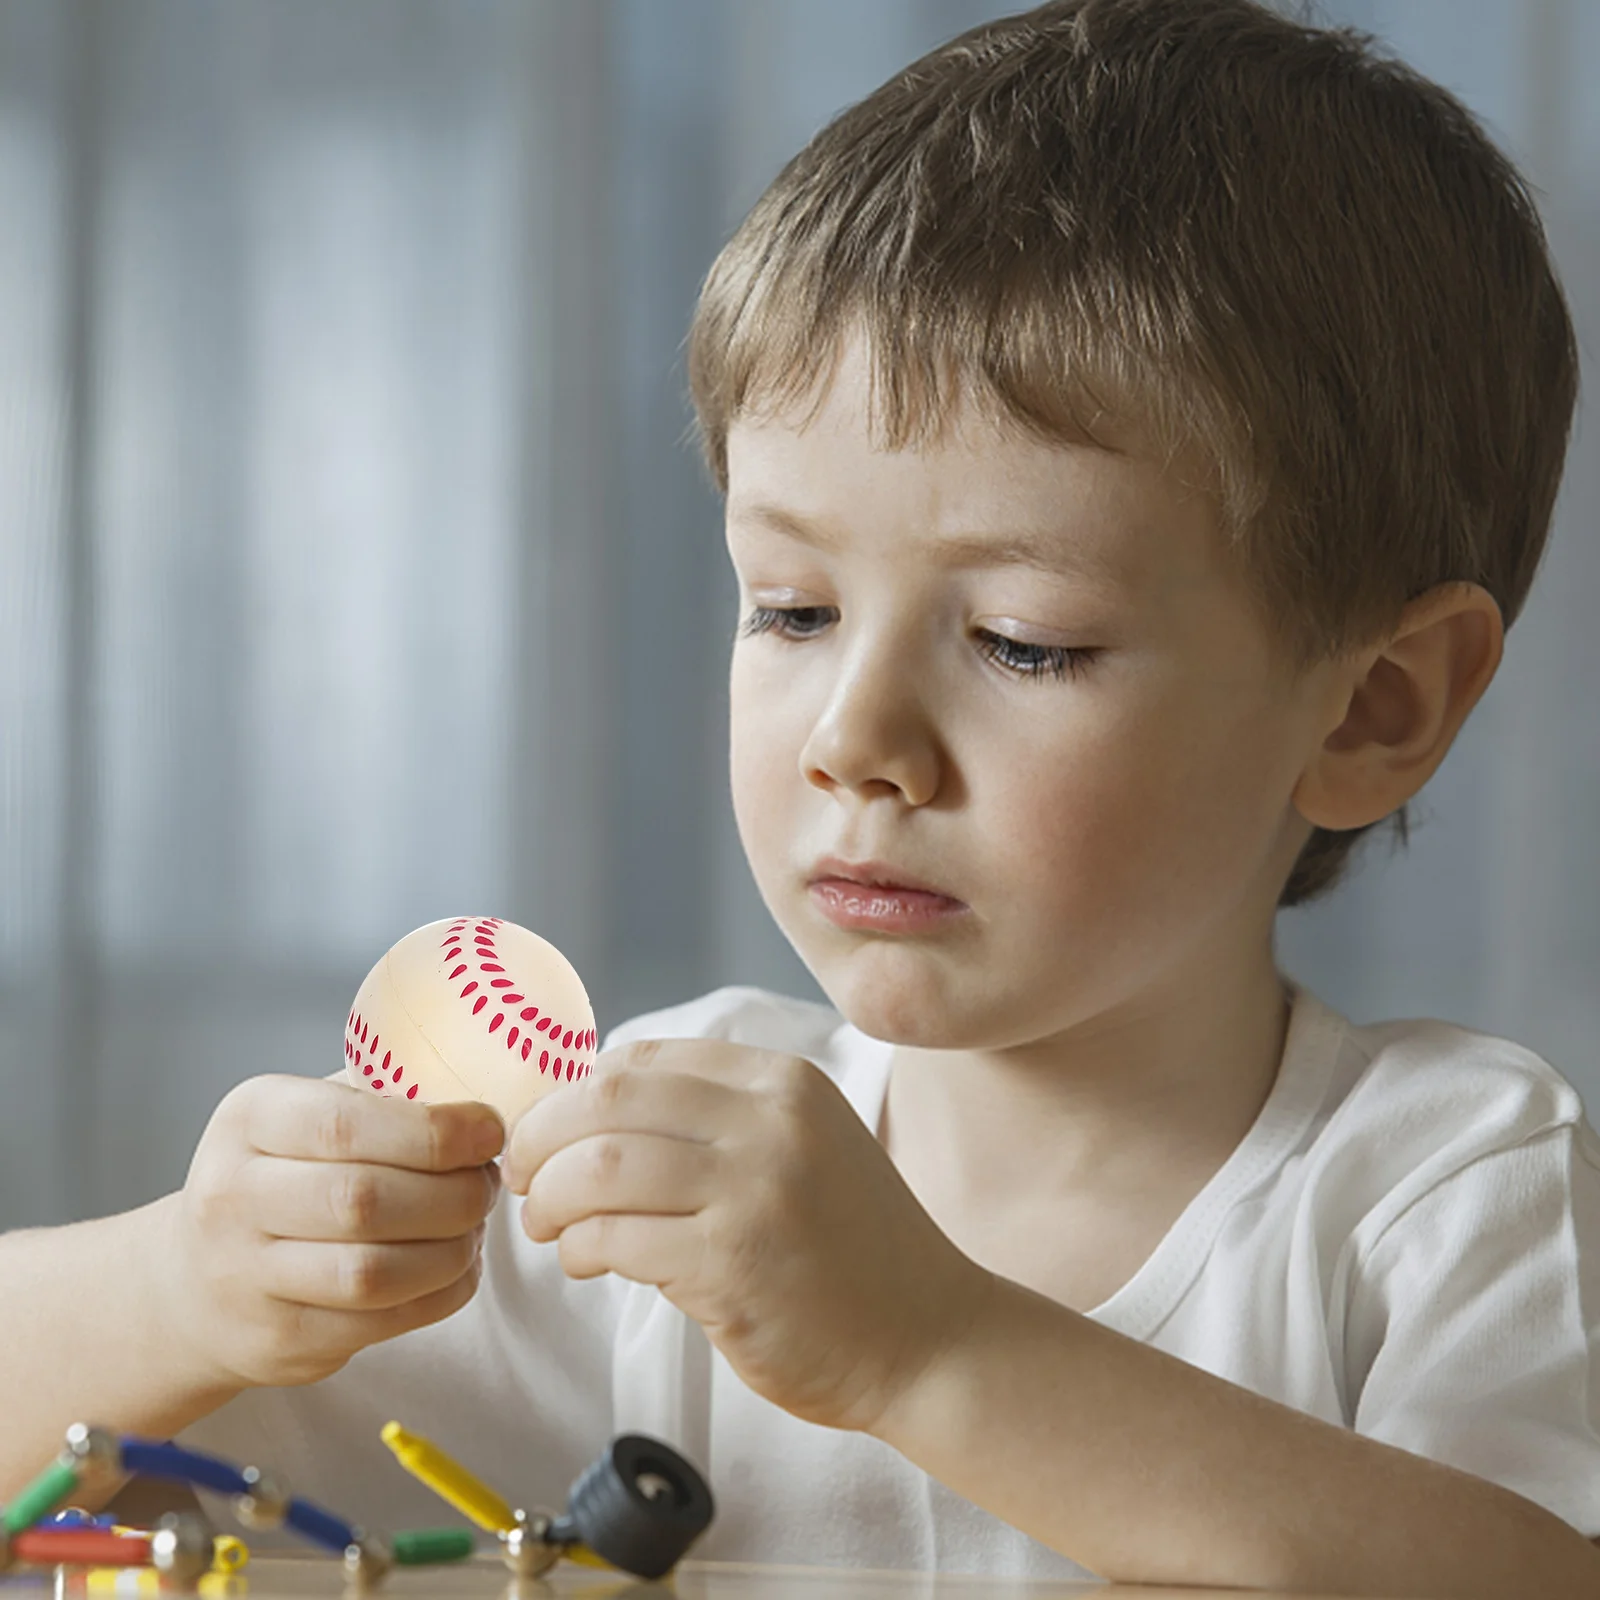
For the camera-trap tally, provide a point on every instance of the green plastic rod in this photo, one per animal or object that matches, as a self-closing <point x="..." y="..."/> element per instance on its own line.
<point x="422" y="1547"/>
<point x="52" y="1488"/>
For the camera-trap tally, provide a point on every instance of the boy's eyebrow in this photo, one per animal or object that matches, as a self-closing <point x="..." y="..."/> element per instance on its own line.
<point x="958" y="550"/>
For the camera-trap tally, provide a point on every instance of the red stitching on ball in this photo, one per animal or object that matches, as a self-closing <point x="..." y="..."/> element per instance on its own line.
<point x="367" y="1070"/>
<point x="386" y="1055"/>
<point x="411" y="1093"/>
<point x="489" y="960"/>
<point x="394" y="1077"/>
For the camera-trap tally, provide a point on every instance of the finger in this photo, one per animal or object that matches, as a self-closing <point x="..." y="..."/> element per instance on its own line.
<point x="678" y="1105"/>
<point x="354" y="1200"/>
<point x="645" y="1249"/>
<point x="325" y="1331"/>
<point x="363" y="1277"/>
<point x="311" y="1119"/>
<point x="640" y="1172"/>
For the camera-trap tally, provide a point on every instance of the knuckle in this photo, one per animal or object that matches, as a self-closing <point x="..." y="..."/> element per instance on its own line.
<point x="356" y="1201"/>
<point x="336" y="1130"/>
<point x="612" y="1089"/>
<point x="793" y="1080"/>
<point x="209" y="1204"/>
<point x="643" y="1051"/>
<point x="440" y="1136"/>
<point x="363" y="1275"/>
<point x="605" y="1158"/>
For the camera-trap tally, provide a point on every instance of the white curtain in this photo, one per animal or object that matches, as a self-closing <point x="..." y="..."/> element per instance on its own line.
<point x="355" y="571"/>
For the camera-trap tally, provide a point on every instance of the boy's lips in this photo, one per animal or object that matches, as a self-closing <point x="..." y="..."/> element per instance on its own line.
<point x="880" y="875"/>
<point x="878" y="897"/>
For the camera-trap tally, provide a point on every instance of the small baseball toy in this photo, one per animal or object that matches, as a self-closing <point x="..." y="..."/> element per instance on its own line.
<point x="475" y="1008"/>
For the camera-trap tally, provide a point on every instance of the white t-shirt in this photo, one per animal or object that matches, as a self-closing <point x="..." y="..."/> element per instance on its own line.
<point x="1406" y="1242"/>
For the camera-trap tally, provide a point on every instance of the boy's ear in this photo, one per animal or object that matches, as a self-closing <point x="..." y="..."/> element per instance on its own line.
<point x="1395" y="708"/>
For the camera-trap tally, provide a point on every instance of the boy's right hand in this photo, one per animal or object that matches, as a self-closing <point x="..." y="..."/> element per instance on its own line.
<point x="317" y="1220"/>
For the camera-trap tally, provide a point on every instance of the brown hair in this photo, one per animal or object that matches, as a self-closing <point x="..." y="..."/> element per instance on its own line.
<point x="1234" y="232"/>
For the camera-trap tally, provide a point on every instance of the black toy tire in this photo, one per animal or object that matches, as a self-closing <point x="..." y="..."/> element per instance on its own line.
<point x="617" y="1519"/>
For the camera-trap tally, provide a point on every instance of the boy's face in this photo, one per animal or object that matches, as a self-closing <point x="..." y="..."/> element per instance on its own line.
<point x="1118" y="834"/>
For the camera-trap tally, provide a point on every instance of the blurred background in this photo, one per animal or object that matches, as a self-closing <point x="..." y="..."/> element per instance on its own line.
<point x="355" y="569"/>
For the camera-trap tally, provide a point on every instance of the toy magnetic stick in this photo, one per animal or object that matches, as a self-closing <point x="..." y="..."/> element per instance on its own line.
<point x="638" y="1507"/>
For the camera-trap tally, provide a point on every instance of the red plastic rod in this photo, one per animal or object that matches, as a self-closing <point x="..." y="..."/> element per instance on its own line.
<point x="94" y="1547"/>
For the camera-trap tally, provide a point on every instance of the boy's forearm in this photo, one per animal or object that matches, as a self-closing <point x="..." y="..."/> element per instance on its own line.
<point x="87" y="1339"/>
<point x="1147" y="1470"/>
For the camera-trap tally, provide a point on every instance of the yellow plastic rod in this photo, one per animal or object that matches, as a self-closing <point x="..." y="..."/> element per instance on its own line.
<point x="449" y="1479"/>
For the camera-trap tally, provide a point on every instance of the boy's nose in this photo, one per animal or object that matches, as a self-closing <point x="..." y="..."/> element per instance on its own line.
<point x="874" y="733"/>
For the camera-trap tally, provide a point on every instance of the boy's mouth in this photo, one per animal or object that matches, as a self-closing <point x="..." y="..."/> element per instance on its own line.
<point x="876" y="897"/>
<point x="874" y="875"/>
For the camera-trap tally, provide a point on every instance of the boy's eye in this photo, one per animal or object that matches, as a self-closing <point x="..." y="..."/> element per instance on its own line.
<point x="1025" y="660"/>
<point x="794" y="623"/>
<point x="1035" y="660"/>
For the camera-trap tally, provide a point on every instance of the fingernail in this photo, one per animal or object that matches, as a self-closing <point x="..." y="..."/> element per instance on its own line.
<point x="491" y="1137"/>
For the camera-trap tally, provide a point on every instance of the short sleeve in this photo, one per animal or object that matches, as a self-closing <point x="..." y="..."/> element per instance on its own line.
<point x="1473" y="1325"/>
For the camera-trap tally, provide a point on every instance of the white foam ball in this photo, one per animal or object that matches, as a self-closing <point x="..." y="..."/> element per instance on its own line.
<point x="471" y="1008"/>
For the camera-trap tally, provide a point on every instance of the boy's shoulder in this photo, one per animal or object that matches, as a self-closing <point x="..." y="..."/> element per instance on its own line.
<point x="1421" y="1068"/>
<point x="1413" y="1103"/>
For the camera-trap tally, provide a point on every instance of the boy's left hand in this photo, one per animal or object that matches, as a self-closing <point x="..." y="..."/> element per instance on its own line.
<point x="742" y="1183"/>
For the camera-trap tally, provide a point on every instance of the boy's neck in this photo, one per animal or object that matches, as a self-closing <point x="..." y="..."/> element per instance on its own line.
<point x="1157" y="1095"/>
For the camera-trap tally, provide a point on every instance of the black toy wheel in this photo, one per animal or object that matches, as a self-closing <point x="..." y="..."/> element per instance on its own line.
<point x="639" y="1505"/>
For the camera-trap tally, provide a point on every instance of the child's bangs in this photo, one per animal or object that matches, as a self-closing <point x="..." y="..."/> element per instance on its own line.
<point x="1040" y="357"/>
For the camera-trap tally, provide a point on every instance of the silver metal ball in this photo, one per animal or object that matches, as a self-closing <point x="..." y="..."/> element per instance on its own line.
<point x="95" y="1452"/>
<point x="367" y="1559"/>
<point x="265" y="1501"/>
<point x="527" y="1549"/>
<point x="181" y="1547"/>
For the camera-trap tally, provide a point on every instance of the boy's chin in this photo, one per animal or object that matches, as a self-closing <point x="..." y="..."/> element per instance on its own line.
<point x="902" y="1014"/>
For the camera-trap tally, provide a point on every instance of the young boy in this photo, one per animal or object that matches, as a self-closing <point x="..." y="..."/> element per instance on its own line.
<point x="1138" y="421"/>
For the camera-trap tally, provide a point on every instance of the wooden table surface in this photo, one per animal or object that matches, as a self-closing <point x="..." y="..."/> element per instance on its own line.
<point x="272" y="1576"/>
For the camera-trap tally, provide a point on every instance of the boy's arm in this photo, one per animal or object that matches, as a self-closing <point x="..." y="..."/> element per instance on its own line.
<point x="87" y="1339"/>
<point x="314" y="1221"/>
<point x="1063" y="1428"/>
